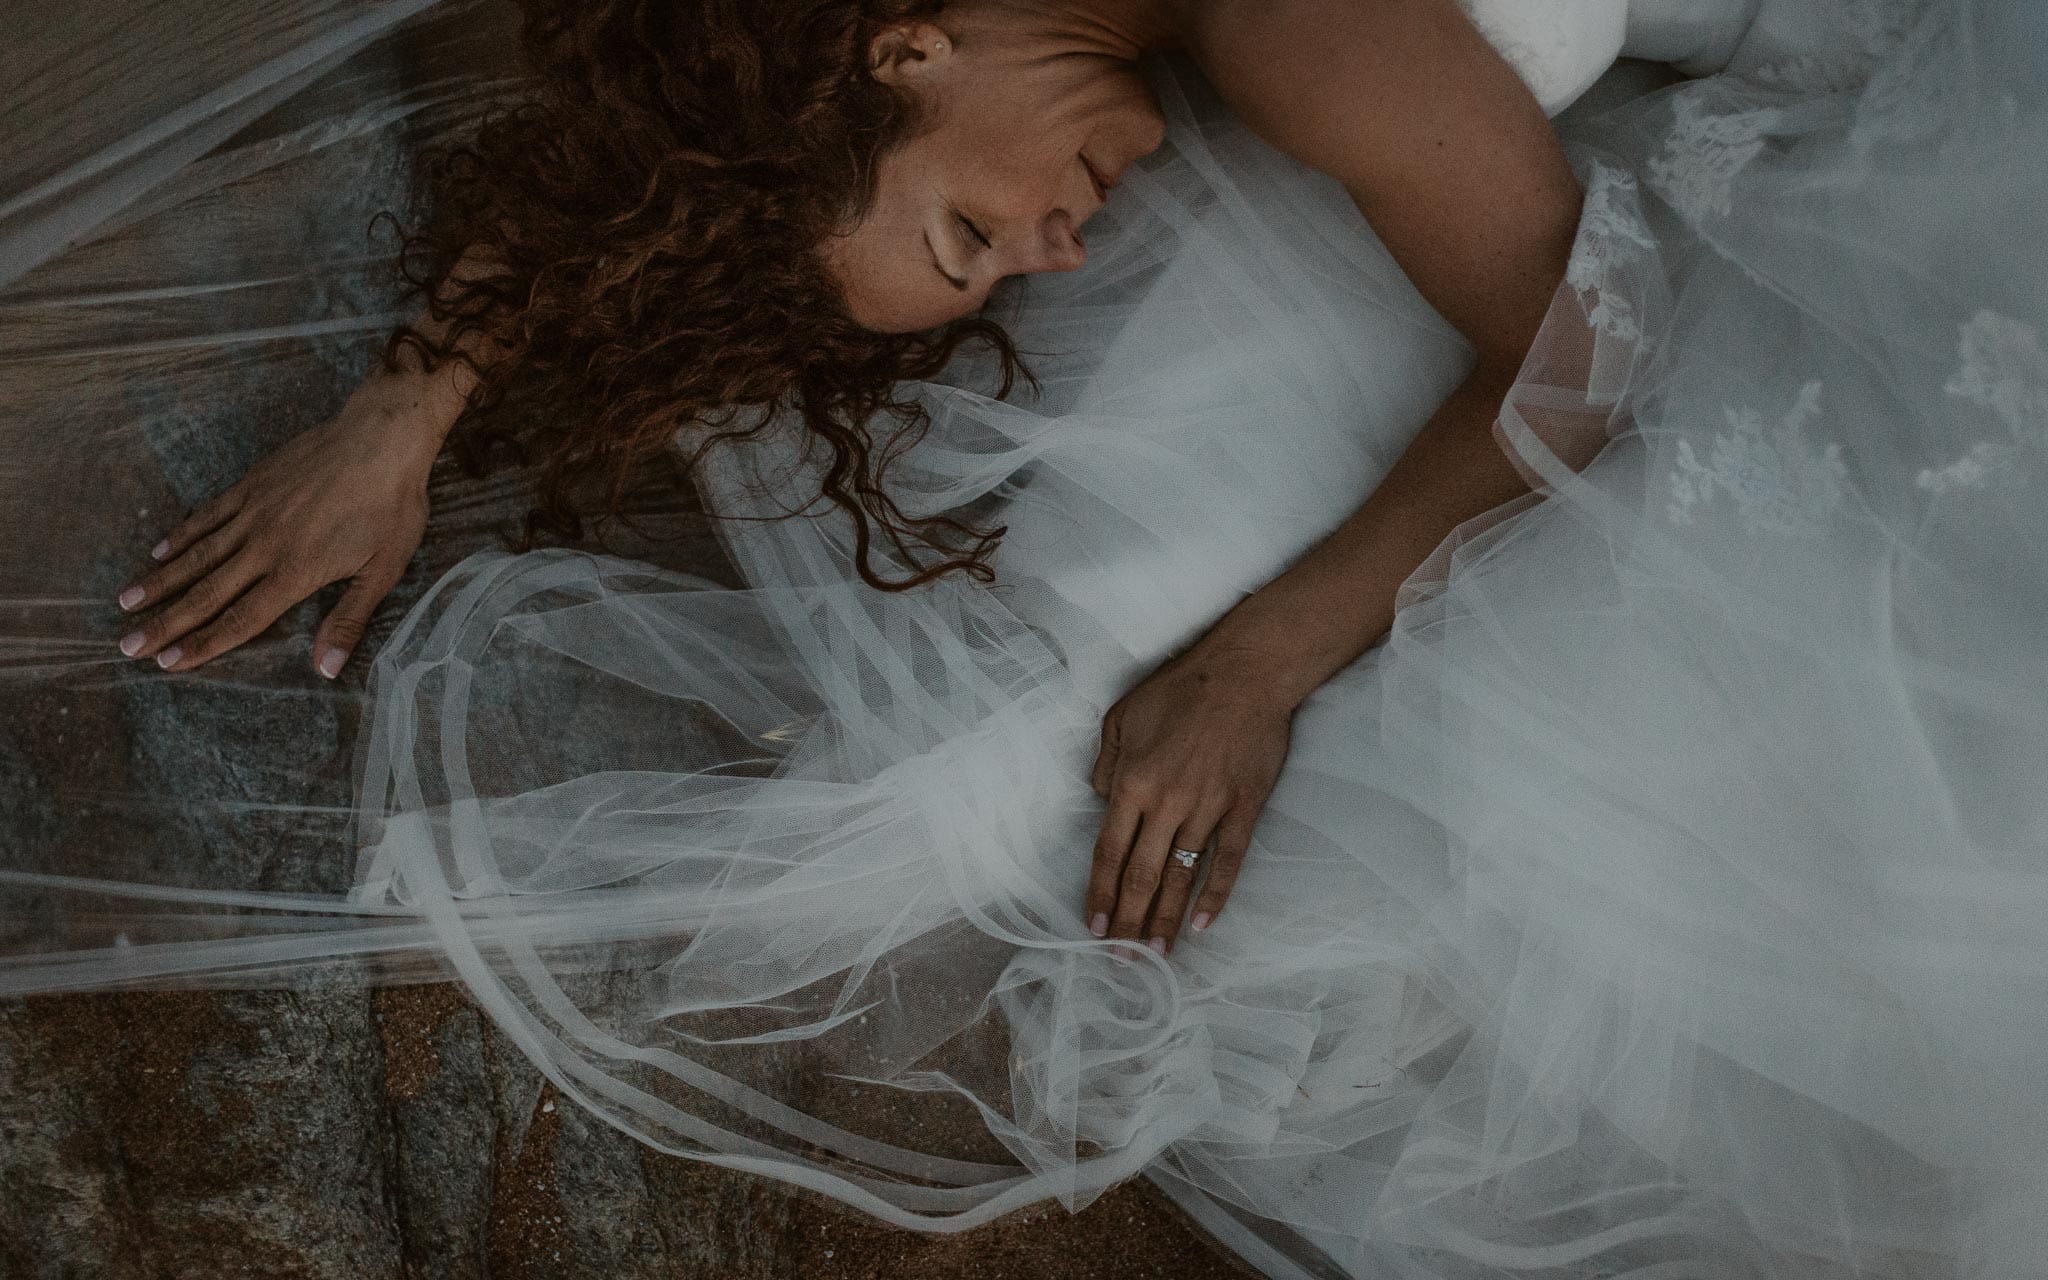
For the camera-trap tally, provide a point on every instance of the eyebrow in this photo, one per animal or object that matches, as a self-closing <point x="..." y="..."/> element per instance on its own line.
<point x="953" y="280"/>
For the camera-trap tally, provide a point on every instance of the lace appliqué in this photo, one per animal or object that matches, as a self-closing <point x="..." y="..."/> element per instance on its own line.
<point x="1877" y="25"/>
<point x="1902" y="104"/>
<point x="2004" y="369"/>
<point x="1705" y="153"/>
<point x="1611" y="235"/>
<point x="1863" y="34"/>
<point x="1779" y="483"/>
<point x="1815" y="73"/>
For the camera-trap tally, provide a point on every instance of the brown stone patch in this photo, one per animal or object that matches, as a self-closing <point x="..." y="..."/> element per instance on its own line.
<point x="1131" y="1233"/>
<point x="127" y="1055"/>
<point x="131" y="1051"/>
<point x="524" y="1239"/>
<point x="407" y="1018"/>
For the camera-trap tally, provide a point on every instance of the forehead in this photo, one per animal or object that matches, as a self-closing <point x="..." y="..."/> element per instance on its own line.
<point x="884" y="265"/>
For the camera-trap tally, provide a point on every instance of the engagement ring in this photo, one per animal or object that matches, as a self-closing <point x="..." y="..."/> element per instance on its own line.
<point x="1187" y="857"/>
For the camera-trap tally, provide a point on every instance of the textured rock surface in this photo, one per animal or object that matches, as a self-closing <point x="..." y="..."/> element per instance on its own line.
<point x="356" y="1136"/>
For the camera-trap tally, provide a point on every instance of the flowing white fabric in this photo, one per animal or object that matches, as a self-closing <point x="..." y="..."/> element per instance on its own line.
<point x="1664" y="898"/>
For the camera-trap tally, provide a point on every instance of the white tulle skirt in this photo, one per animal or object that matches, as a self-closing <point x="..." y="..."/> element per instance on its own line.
<point x="1668" y="896"/>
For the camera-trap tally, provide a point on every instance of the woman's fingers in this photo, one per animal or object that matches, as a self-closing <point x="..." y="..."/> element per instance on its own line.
<point x="210" y="516"/>
<point x="1104" y="771"/>
<point x="1163" y="816"/>
<point x="197" y="560"/>
<point x="1233" y="838"/>
<point x="243" y="619"/>
<point x="192" y="607"/>
<point x="1112" y="849"/>
<point x="343" y="630"/>
<point x="1177" y="881"/>
<point x="1175" y="884"/>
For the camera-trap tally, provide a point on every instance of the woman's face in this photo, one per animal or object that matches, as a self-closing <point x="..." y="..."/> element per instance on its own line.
<point x="1019" y="151"/>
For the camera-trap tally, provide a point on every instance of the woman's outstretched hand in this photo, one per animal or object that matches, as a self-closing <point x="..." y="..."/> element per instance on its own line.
<point x="345" y="500"/>
<point x="1191" y="752"/>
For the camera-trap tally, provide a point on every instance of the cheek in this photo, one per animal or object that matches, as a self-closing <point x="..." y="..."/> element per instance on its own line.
<point x="1142" y="120"/>
<point x="998" y="178"/>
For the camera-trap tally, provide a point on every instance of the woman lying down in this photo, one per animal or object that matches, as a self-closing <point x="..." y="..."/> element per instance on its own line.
<point x="1446" y="692"/>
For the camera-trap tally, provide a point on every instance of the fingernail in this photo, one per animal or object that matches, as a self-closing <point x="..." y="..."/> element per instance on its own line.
<point x="1124" y="953"/>
<point x="131" y="644"/>
<point x="1201" y="921"/>
<point x="160" y="550"/>
<point x="1099" y="926"/>
<point x="169" y="657"/>
<point x="130" y="598"/>
<point x="1158" y="944"/>
<point x="330" y="662"/>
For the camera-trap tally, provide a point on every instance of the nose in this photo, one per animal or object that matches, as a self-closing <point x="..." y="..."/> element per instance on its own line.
<point x="1061" y="248"/>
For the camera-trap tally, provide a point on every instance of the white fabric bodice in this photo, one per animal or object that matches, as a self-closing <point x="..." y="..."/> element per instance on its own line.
<point x="1560" y="47"/>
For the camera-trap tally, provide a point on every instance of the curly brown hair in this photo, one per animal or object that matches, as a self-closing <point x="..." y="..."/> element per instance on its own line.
<point x="651" y="209"/>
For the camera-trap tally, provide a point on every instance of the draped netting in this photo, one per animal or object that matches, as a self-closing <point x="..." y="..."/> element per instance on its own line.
<point x="1663" y="898"/>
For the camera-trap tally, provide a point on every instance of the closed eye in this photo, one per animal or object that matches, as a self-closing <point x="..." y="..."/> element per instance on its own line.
<point x="973" y="230"/>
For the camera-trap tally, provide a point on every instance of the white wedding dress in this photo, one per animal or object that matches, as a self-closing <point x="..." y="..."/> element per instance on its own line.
<point x="1668" y="896"/>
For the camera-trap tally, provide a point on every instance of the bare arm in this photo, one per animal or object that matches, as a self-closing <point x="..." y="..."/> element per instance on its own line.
<point x="441" y="394"/>
<point x="1449" y="158"/>
<point x="426" y="403"/>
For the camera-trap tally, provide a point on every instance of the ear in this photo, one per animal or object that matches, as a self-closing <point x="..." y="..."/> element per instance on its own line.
<point x="905" y="51"/>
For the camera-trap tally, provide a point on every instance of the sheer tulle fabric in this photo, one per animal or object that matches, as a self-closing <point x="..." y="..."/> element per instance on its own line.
<point x="1663" y="898"/>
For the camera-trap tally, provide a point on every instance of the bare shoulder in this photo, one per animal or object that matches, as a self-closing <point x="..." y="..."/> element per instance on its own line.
<point x="1343" y="83"/>
<point x="1440" y="144"/>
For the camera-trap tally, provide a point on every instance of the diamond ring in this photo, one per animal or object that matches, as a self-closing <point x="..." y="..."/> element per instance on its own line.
<point x="1187" y="857"/>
